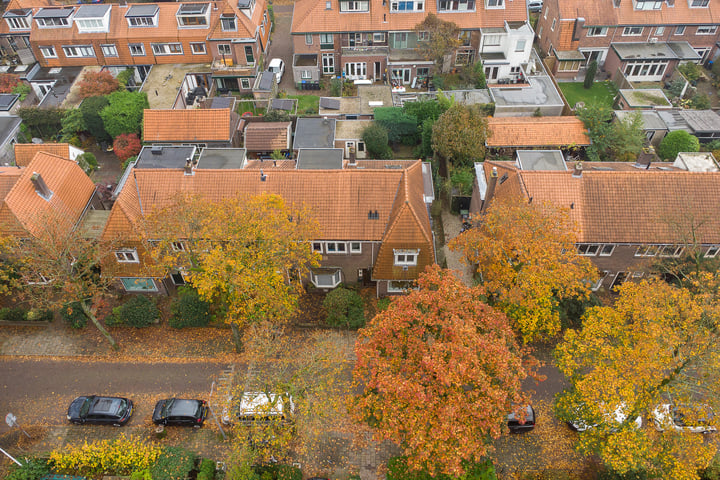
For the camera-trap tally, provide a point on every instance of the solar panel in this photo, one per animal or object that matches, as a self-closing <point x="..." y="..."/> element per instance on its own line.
<point x="330" y="103"/>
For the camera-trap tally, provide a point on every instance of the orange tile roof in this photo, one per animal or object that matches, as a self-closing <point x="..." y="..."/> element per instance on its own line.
<point x="536" y="132"/>
<point x="603" y="13"/>
<point x="626" y="205"/>
<point x="25" y="152"/>
<point x="246" y="27"/>
<point x="311" y="16"/>
<point x="24" y="208"/>
<point x="8" y="177"/>
<point x="267" y="136"/>
<point x="193" y="125"/>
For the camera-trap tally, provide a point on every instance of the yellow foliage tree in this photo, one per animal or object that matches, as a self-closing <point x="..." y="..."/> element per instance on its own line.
<point x="120" y="456"/>
<point x="525" y="253"/>
<point x="247" y="256"/>
<point x="657" y="344"/>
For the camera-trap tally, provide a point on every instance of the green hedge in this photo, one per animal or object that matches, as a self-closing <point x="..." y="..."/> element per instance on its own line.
<point x="73" y="314"/>
<point x="137" y="312"/>
<point x="345" y="308"/>
<point x="32" y="469"/>
<point x="174" y="463"/>
<point x="207" y="470"/>
<point x="189" y="310"/>
<point x="279" y="471"/>
<point x="398" y="470"/>
<point x="18" y="314"/>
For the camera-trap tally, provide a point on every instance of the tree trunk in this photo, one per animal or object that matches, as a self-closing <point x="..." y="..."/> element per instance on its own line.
<point x="237" y="338"/>
<point x="89" y="313"/>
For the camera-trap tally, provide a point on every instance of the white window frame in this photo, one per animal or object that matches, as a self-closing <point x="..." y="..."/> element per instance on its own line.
<point x="659" y="31"/>
<point x="336" y="278"/>
<point x="133" y="49"/>
<point x="520" y="45"/>
<point x="492" y="40"/>
<point x="671" y="251"/>
<point x="706" y="30"/>
<point x="405" y="257"/>
<point x="646" y="251"/>
<point x="109" y="50"/>
<point x="78" y="51"/>
<point x="245" y="83"/>
<point x="354" y="6"/>
<point x="355" y="247"/>
<point x="42" y="280"/>
<point x="588" y="249"/>
<point x="399" y="286"/>
<point x="712" y="251"/>
<point x="308" y="39"/>
<point x="142" y="22"/>
<point x="160" y="49"/>
<point x="596" y="286"/>
<point x="127" y="255"/>
<point x="336" y="248"/>
<point x="178" y="246"/>
<point x="637" y="274"/>
<point x="597" y="32"/>
<point x="493" y="4"/>
<point x="194" y="48"/>
<point x="305" y="75"/>
<point x="679" y="30"/>
<point x="378" y="37"/>
<point x="317" y="247"/>
<point x="231" y="24"/>
<point x="226" y="47"/>
<point x="629" y="31"/>
<point x="18" y="23"/>
<point x="552" y="26"/>
<point x="125" y="286"/>
<point x="90" y="24"/>
<point x="54" y="22"/>
<point x="701" y="3"/>
<point x="324" y="39"/>
<point x="48" y="51"/>
<point x="417" y="6"/>
<point x="604" y="247"/>
<point x="647" y="5"/>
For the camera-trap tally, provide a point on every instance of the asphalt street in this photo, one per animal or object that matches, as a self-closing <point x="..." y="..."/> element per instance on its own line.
<point x="39" y="391"/>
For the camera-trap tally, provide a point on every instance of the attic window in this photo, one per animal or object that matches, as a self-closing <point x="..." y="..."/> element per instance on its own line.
<point x="406" y="258"/>
<point x="328" y="5"/>
<point x="373" y="215"/>
<point x="228" y="23"/>
<point x="503" y="178"/>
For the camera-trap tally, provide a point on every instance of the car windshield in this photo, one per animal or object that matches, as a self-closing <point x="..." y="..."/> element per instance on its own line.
<point x="167" y="407"/>
<point x="85" y="407"/>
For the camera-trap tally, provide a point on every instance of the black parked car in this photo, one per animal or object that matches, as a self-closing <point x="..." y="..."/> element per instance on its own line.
<point x="102" y="410"/>
<point x="176" y="411"/>
<point x="515" y="424"/>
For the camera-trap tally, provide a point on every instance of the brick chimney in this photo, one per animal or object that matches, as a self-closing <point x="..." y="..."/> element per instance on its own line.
<point x="490" y="192"/>
<point x="577" y="170"/>
<point x="40" y="186"/>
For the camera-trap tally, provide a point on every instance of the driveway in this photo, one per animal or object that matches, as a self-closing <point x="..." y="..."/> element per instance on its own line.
<point x="281" y="45"/>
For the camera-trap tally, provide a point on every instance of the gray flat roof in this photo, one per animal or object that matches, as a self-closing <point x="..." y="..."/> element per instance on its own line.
<point x="701" y="120"/>
<point x="92" y="11"/>
<point x="314" y="133"/>
<point x="644" y="51"/>
<point x="684" y="50"/>
<point x="266" y="80"/>
<point x="17" y="12"/>
<point x="63" y="12"/>
<point x="541" y="160"/>
<point x="7" y="125"/>
<point x="320" y="159"/>
<point x="645" y="97"/>
<point x="650" y="118"/>
<point x="351" y="129"/>
<point x="221" y="158"/>
<point x="673" y="120"/>
<point x="287" y="104"/>
<point x="222" y="102"/>
<point x="192" y="8"/>
<point x="142" y="10"/>
<point x="539" y="92"/>
<point x="164" y="157"/>
<point x="7" y="100"/>
<point x="569" y="55"/>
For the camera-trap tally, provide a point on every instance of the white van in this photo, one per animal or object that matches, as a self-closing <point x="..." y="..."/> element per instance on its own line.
<point x="259" y="406"/>
<point x="277" y="66"/>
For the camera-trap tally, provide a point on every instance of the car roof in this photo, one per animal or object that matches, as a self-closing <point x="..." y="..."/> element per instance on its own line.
<point x="275" y="61"/>
<point x="184" y="407"/>
<point x="255" y="402"/>
<point x="106" y="405"/>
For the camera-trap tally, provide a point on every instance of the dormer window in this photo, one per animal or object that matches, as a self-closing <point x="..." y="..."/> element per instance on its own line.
<point x="18" y="19"/>
<point x="92" y="18"/>
<point x="54" y="17"/>
<point x="495" y="4"/>
<point x="699" y="3"/>
<point x="142" y="16"/>
<point x="456" y="5"/>
<point x="193" y="15"/>
<point x="354" y="5"/>
<point x="247" y="7"/>
<point x="406" y="258"/>
<point x="228" y="22"/>
<point x="648" y="4"/>
<point x="407" y="6"/>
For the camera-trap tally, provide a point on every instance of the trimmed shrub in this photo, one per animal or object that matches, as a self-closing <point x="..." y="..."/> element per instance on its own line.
<point x="137" y="312"/>
<point x="590" y="74"/>
<point x="16" y="314"/>
<point x="88" y="162"/>
<point x="279" y="471"/>
<point x="39" y="315"/>
<point x="32" y="469"/>
<point x="174" y="463"/>
<point x="676" y="142"/>
<point x="73" y="314"/>
<point x="189" y="310"/>
<point x="120" y="456"/>
<point x="345" y="308"/>
<point x="207" y="470"/>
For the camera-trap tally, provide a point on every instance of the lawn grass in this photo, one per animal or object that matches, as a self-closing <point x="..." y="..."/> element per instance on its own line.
<point x="307" y="104"/>
<point x="601" y="92"/>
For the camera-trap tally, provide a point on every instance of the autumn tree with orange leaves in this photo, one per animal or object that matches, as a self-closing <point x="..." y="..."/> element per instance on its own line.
<point x="526" y="256"/>
<point x="658" y="344"/>
<point x="247" y="256"/>
<point x="440" y="371"/>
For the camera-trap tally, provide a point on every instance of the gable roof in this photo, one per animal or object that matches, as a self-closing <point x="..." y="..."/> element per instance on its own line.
<point x="604" y="13"/>
<point x="622" y="204"/>
<point x="312" y="16"/>
<point x="25" y="152"/>
<point x="267" y="136"/>
<point x="193" y="125"/>
<point x="536" y="132"/>
<point x="23" y="210"/>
